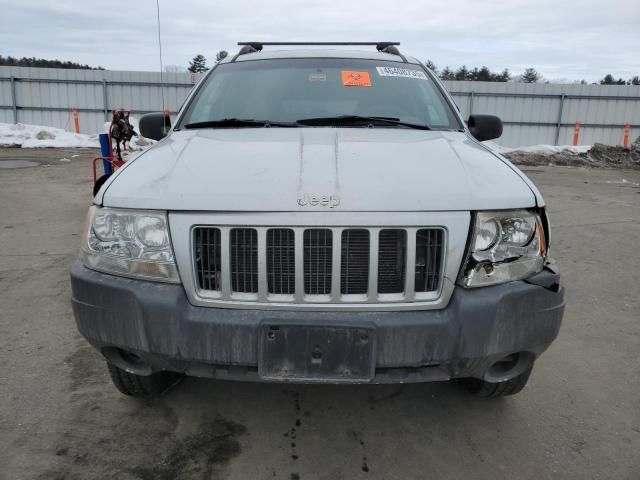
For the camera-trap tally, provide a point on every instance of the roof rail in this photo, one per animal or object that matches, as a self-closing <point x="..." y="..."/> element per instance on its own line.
<point x="384" y="47"/>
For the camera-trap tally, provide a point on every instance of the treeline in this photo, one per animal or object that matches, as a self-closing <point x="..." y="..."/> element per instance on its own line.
<point x="530" y="75"/>
<point x="42" y="63"/>
<point x="610" y="80"/>
<point x="482" y="74"/>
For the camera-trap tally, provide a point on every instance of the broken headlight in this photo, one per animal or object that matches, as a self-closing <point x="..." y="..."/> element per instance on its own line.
<point x="505" y="246"/>
<point x="129" y="243"/>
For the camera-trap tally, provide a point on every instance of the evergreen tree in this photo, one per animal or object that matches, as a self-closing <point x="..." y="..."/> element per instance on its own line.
<point x="505" y="76"/>
<point x="484" y="75"/>
<point x="198" y="64"/>
<point x="447" y="74"/>
<point x="462" y="73"/>
<point x="530" y="75"/>
<point x="608" y="80"/>
<point x="432" y="66"/>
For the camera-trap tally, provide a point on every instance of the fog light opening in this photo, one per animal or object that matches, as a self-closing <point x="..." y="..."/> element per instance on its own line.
<point x="127" y="360"/>
<point x="509" y="367"/>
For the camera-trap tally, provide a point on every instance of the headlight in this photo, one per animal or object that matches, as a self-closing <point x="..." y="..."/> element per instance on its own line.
<point x="505" y="246"/>
<point x="129" y="243"/>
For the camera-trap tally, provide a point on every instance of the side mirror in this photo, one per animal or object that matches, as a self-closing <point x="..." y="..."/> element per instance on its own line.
<point x="155" y="125"/>
<point x="484" y="127"/>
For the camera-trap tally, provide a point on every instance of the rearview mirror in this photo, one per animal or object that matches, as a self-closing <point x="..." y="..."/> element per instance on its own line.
<point x="485" y="127"/>
<point x="155" y="125"/>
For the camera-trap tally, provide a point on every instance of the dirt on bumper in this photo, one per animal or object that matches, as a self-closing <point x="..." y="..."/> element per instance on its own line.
<point x="156" y="322"/>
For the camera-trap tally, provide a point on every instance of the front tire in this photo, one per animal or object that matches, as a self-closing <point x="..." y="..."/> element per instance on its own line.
<point x="483" y="389"/>
<point x="99" y="183"/>
<point x="143" y="386"/>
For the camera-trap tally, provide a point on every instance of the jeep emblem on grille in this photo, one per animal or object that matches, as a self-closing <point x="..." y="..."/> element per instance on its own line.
<point x="330" y="201"/>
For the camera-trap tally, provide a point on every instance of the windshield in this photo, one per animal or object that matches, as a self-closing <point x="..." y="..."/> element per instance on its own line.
<point x="290" y="90"/>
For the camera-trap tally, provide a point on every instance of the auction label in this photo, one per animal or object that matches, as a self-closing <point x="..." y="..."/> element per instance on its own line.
<point x="351" y="78"/>
<point x="401" y="72"/>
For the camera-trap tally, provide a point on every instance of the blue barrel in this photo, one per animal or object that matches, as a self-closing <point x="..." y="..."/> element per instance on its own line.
<point x="105" y="147"/>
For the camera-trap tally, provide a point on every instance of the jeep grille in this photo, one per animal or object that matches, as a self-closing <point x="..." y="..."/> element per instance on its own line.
<point x="318" y="265"/>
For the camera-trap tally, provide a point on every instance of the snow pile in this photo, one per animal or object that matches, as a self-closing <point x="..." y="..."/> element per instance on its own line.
<point x="37" y="136"/>
<point x="598" y="155"/>
<point x="538" y="149"/>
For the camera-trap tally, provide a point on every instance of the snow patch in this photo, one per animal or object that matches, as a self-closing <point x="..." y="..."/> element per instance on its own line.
<point x="37" y="136"/>
<point x="539" y="149"/>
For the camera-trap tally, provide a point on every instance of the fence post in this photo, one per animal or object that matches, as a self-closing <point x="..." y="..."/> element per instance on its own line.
<point x="576" y="133"/>
<point x="559" y="122"/>
<point x="105" y="100"/>
<point x="76" y="121"/>
<point x="14" y="103"/>
<point x="625" y="136"/>
<point x="471" y="103"/>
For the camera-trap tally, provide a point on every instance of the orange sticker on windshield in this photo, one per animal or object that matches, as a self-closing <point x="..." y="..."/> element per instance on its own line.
<point x="355" y="79"/>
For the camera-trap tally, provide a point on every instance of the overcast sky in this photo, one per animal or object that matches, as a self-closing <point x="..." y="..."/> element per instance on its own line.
<point x="560" y="38"/>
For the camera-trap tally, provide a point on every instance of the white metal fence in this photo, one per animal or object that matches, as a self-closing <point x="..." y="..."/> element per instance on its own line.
<point x="547" y="113"/>
<point x="532" y="113"/>
<point x="44" y="96"/>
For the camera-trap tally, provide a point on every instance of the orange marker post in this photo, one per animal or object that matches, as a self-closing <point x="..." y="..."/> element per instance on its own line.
<point x="76" y="121"/>
<point x="625" y="135"/>
<point x="576" y="133"/>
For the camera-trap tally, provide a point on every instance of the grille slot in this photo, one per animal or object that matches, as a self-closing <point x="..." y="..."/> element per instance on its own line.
<point x="318" y="249"/>
<point x="429" y="245"/>
<point x="354" y="263"/>
<point x="244" y="260"/>
<point x="207" y="257"/>
<point x="392" y="258"/>
<point x="281" y="271"/>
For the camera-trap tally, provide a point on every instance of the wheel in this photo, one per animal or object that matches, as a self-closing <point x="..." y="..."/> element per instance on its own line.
<point x="99" y="183"/>
<point x="483" y="389"/>
<point x="142" y="386"/>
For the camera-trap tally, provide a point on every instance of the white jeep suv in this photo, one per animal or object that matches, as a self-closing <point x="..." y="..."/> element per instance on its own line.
<point x="318" y="215"/>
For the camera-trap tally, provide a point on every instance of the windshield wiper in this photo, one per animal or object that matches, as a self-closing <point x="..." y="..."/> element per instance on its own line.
<point x="359" y="120"/>
<point x="238" y="122"/>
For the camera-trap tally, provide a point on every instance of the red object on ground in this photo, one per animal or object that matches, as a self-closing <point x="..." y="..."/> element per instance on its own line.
<point x="576" y="133"/>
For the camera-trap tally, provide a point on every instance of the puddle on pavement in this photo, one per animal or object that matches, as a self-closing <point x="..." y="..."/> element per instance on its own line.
<point x="17" y="164"/>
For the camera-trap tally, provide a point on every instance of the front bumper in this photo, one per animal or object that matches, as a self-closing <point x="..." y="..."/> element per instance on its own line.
<point x="157" y="323"/>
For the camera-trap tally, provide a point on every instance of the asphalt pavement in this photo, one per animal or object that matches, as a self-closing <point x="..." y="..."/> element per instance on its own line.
<point x="60" y="417"/>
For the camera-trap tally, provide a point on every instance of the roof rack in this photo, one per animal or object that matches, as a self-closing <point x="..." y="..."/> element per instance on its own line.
<point x="384" y="47"/>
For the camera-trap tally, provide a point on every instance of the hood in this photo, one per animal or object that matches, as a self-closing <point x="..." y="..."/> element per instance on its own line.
<point x="318" y="169"/>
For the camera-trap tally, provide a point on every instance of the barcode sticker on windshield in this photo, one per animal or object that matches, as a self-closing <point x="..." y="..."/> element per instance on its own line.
<point x="401" y="72"/>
